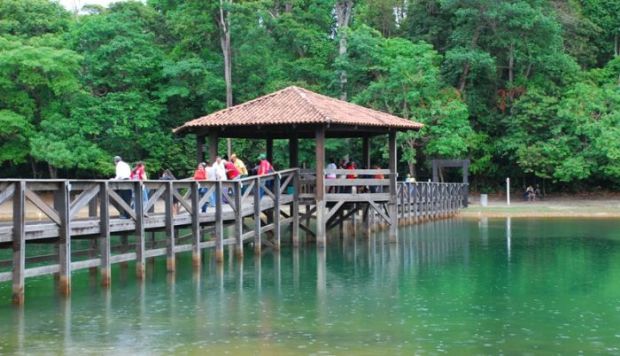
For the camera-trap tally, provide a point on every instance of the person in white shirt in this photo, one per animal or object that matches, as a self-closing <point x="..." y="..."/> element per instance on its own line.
<point x="123" y="172"/>
<point x="220" y="170"/>
<point x="331" y="166"/>
<point x="211" y="175"/>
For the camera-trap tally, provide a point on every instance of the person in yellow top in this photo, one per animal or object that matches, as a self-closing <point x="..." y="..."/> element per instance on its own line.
<point x="243" y="171"/>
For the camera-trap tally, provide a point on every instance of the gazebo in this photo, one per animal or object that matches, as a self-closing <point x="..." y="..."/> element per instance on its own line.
<point x="293" y="113"/>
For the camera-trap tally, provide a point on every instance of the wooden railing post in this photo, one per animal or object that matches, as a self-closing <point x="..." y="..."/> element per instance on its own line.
<point x="61" y="204"/>
<point x="140" y="241"/>
<point x="238" y="221"/>
<point x="195" y="196"/>
<point x="257" y="222"/>
<point x="19" y="241"/>
<point x="104" y="235"/>
<point x="219" y="224"/>
<point x="169" y="222"/>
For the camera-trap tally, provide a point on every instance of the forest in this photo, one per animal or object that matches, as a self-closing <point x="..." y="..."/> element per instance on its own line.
<point x="527" y="89"/>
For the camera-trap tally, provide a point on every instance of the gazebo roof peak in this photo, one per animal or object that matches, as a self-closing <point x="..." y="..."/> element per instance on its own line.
<point x="297" y="106"/>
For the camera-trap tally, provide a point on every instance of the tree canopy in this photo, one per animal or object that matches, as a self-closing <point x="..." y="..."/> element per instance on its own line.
<point x="524" y="88"/>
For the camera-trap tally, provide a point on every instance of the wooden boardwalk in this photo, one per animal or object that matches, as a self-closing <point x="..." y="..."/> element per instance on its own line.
<point x="257" y="208"/>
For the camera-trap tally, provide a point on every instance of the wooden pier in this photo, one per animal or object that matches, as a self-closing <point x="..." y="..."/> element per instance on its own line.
<point x="256" y="209"/>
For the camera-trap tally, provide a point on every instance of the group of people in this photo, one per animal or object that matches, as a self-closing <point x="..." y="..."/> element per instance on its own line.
<point x="221" y="169"/>
<point x="352" y="166"/>
<point x="224" y="169"/>
<point x="125" y="172"/>
<point x="235" y="168"/>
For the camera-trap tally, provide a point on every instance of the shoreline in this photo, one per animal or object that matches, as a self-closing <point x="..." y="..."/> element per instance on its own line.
<point x="560" y="208"/>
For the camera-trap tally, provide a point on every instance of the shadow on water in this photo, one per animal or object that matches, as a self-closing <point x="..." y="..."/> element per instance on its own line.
<point x="466" y="286"/>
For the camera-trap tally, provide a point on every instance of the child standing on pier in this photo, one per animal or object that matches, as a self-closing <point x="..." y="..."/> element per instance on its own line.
<point x="139" y="173"/>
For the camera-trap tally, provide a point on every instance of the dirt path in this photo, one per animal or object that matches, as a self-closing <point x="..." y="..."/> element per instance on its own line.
<point x="559" y="207"/>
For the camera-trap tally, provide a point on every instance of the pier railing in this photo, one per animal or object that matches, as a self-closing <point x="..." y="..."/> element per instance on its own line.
<point x="429" y="200"/>
<point x="62" y="211"/>
<point x="115" y="221"/>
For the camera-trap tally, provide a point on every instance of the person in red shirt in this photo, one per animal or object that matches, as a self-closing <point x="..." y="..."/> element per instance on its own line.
<point x="351" y="166"/>
<point x="264" y="167"/>
<point x="201" y="174"/>
<point x="231" y="170"/>
<point x="139" y="173"/>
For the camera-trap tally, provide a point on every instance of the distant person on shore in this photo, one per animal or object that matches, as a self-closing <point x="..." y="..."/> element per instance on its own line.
<point x="538" y="192"/>
<point x="531" y="195"/>
<point x="240" y="165"/>
<point x="123" y="172"/>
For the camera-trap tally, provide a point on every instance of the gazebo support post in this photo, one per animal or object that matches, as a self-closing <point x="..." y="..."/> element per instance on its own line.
<point x="213" y="137"/>
<point x="320" y="187"/>
<point x="366" y="152"/>
<point x="393" y="207"/>
<point x="293" y="152"/>
<point x="200" y="148"/>
<point x="269" y="150"/>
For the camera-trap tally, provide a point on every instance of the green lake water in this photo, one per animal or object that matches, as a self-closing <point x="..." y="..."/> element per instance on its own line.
<point x="456" y="286"/>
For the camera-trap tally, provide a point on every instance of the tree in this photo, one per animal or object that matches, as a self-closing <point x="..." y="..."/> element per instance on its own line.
<point x="30" y="18"/>
<point x="408" y="84"/>
<point x="37" y="84"/>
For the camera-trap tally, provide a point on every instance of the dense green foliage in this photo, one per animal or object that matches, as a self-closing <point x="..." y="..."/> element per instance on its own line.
<point x="525" y="88"/>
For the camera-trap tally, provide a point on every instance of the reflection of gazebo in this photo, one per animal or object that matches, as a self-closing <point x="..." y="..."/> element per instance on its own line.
<point x="294" y="113"/>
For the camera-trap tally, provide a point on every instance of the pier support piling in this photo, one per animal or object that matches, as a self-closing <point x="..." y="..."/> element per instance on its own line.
<point x="195" y="196"/>
<point x="219" y="224"/>
<point x="140" y="240"/>
<point x="170" y="232"/>
<point x="61" y="204"/>
<point x="104" y="235"/>
<point x="19" y="242"/>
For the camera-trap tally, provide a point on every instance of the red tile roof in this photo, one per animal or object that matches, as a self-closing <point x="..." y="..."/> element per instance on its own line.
<point x="294" y="105"/>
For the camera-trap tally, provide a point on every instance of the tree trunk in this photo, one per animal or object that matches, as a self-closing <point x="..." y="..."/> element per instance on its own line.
<point x="463" y="79"/>
<point x="53" y="171"/>
<point x="343" y="15"/>
<point x="511" y="62"/>
<point x="224" y="27"/>
<point x="616" y="45"/>
<point x="33" y="165"/>
<point x="467" y="65"/>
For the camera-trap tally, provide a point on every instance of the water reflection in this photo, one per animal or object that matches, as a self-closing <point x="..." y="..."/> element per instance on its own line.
<point x="508" y="235"/>
<point x="445" y="286"/>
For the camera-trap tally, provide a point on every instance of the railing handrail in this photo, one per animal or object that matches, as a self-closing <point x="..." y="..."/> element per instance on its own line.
<point x="358" y="171"/>
<point x="151" y="181"/>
